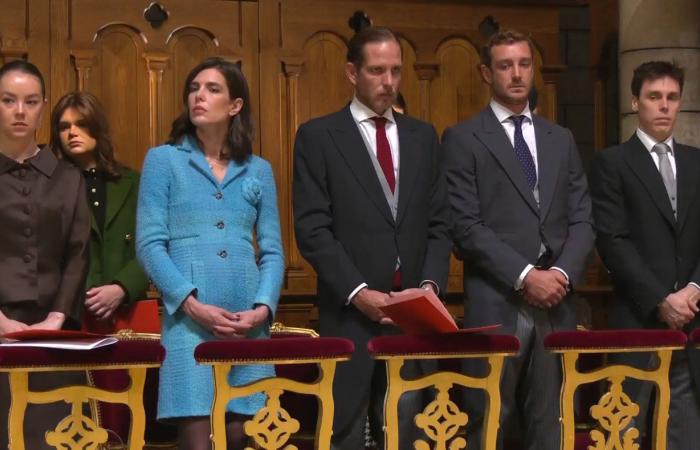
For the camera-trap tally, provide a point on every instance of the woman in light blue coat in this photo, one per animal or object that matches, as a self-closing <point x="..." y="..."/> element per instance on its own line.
<point x="204" y="198"/>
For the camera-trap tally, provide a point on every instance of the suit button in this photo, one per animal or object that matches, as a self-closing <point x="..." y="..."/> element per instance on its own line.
<point x="27" y="209"/>
<point x="26" y="191"/>
<point x="128" y="237"/>
<point x="220" y="225"/>
<point x="27" y="258"/>
<point x="223" y="254"/>
<point x="218" y="196"/>
<point x="27" y="231"/>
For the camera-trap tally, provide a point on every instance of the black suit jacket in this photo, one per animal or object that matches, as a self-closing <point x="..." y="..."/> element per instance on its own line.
<point x="648" y="252"/>
<point x="498" y="226"/>
<point x="343" y="222"/>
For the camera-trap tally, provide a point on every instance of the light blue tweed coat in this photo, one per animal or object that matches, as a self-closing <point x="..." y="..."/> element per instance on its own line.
<point x="194" y="234"/>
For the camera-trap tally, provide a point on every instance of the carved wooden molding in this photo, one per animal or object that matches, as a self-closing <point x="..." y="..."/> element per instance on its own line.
<point x="13" y="48"/>
<point x="83" y="61"/>
<point x="156" y="62"/>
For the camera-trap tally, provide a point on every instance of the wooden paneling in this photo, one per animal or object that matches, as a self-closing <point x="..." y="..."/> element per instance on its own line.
<point x="293" y="55"/>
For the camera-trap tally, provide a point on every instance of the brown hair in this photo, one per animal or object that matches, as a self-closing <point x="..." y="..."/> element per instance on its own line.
<point x="652" y="71"/>
<point x="97" y="125"/>
<point x="240" y="129"/>
<point x="506" y="37"/>
<point x="20" y="65"/>
<point x="356" y="46"/>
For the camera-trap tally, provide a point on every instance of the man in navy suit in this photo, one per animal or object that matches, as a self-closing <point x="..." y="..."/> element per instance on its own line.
<point x="371" y="216"/>
<point x="647" y="215"/>
<point x="522" y="223"/>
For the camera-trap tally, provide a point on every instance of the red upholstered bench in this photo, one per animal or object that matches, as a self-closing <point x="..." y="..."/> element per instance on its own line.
<point x="273" y="424"/>
<point x="136" y="356"/>
<point x="442" y="419"/>
<point x="615" y="410"/>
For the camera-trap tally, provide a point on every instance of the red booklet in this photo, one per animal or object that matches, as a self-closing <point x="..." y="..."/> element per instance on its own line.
<point x="63" y="339"/>
<point x="422" y="312"/>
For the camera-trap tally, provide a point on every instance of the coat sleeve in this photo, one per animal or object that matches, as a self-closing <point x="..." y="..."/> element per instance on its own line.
<point x="437" y="258"/>
<point x="152" y="232"/>
<point x="631" y="274"/>
<point x="313" y="219"/>
<point x="269" y="239"/>
<point x="580" y="236"/>
<point x="76" y="256"/>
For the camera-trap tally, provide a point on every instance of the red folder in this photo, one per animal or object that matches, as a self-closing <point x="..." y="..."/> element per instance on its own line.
<point x="419" y="312"/>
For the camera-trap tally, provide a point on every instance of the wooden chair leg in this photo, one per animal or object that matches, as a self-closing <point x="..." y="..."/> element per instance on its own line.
<point x="19" y="386"/>
<point x="218" y="410"/>
<point x="326" y="410"/>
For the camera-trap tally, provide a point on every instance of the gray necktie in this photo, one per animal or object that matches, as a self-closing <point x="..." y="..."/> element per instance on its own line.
<point x="666" y="171"/>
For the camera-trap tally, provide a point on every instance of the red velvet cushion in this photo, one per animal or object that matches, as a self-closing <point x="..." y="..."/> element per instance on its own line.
<point x="122" y="352"/>
<point x="614" y="339"/>
<point x="695" y="336"/>
<point x="271" y="349"/>
<point x="447" y="343"/>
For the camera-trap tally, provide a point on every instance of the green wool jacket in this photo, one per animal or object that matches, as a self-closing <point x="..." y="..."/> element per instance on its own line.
<point x="112" y="253"/>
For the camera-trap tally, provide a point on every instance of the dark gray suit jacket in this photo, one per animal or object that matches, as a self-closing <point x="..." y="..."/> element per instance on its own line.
<point x="343" y="222"/>
<point x="498" y="226"/>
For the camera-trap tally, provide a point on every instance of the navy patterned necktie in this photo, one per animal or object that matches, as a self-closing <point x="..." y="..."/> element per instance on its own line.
<point x="522" y="151"/>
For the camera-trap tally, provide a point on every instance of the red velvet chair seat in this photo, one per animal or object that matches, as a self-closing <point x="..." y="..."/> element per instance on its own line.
<point x="695" y="337"/>
<point x="256" y="350"/>
<point x="612" y="340"/>
<point x="120" y="353"/>
<point x="443" y="344"/>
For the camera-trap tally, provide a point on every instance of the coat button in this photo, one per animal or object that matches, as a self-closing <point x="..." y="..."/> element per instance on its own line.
<point x="27" y="258"/>
<point x="218" y="196"/>
<point x="27" y="209"/>
<point x="220" y="225"/>
<point x="26" y="190"/>
<point x="223" y="254"/>
<point x="128" y="237"/>
<point x="27" y="232"/>
<point x="22" y="173"/>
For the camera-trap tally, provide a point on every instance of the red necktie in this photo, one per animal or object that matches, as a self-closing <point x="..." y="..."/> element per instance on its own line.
<point x="384" y="152"/>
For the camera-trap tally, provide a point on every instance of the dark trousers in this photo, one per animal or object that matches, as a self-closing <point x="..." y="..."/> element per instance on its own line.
<point x="530" y="388"/>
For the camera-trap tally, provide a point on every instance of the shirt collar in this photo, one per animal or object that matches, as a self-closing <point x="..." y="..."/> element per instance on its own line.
<point x="503" y="114"/>
<point x="361" y="112"/>
<point x="43" y="160"/>
<point x="649" y="142"/>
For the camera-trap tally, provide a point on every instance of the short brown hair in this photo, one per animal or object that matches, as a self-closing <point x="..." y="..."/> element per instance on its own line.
<point x="652" y="71"/>
<point x="506" y="37"/>
<point x="356" y="46"/>
<point x="97" y="125"/>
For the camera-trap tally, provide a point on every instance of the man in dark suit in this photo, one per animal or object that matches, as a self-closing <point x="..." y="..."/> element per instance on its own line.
<point x="522" y="223"/>
<point x="371" y="215"/>
<point x="648" y="222"/>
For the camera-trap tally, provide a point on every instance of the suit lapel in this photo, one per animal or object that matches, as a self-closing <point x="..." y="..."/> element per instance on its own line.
<point x="352" y="148"/>
<point x="408" y="163"/>
<point x="548" y="160"/>
<point x="686" y="173"/>
<point x="117" y="193"/>
<point x="641" y="163"/>
<point x="494" y="137"/>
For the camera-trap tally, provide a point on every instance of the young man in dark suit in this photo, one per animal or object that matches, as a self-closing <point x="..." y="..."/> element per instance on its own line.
<point x="645" y="198"/>
<point x="522" y="223"/>
<point x="371" y="216"/>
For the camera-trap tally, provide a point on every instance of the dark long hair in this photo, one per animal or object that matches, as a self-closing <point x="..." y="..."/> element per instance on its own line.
<point x="97" y="125"/>
<point x="239" y="140"/>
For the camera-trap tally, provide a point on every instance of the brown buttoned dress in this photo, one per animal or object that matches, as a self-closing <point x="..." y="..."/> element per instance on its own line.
<point x="44" y="235"/>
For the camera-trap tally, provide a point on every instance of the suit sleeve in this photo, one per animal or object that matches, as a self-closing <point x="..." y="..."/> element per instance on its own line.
<point x="437" y="258"/>
<point x="152" y="232"/>
<point x="313" y="219"/>
<point x="619" y="254"/>
<point x="76" y="256"/>
<point x="476" y="242"/>
<point x="269" y="239"/>
<point x="580" y="236"/>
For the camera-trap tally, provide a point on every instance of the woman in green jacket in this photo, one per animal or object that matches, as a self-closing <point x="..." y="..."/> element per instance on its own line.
<point x="80" y="134"/>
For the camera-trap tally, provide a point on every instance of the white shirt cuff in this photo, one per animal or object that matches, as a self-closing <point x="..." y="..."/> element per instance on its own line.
<point x="562" y="272"/>
<point x="433" y="284"/>
<point x="354" y="292"/>
<point x="519" y="282"/>
<point x="694" y="284"/>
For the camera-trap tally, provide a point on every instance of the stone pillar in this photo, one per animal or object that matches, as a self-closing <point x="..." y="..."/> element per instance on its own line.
<point x="661" y="30"/>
